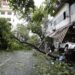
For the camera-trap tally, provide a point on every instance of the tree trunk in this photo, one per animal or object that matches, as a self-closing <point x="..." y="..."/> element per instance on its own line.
<point x="36" y="48"/>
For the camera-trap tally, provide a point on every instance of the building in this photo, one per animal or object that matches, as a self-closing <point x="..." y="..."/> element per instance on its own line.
<point x="6" y="12"/>
<point x="62" y="27"/>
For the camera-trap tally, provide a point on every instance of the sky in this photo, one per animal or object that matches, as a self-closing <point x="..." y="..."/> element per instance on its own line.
<point x="38" y="2"/>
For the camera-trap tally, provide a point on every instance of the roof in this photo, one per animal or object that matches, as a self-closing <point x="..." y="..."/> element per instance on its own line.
<point x="62" y="3"/>
<point x="60" y="34"/>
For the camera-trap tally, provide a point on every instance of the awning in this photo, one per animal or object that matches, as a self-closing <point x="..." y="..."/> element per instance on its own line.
<point x="59" y="34"/>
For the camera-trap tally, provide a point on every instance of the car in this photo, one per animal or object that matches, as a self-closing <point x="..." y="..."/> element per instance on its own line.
<point x="67" y="45"/>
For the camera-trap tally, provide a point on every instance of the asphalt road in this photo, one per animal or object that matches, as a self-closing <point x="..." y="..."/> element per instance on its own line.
<point x="16" y="63"/>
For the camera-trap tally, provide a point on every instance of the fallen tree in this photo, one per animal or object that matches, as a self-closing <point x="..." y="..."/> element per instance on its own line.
<point x="36" y="48"/>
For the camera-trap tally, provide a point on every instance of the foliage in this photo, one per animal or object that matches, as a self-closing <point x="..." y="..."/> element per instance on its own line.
<point x="22" y="6"/>
<point x="23" y="31"/>
<point x="35" y="25"/>
<point x="35" y="28"/>
<point x="50" y="6"/>
<point x="5" y="33"/>
<point x="46" y="66"/>
<point x="34" y="39"/>
<point x="53" y="6"/>
<point x="38" y="15"/>
<point x="15" y="45"/>
<point x="6" y="40"/>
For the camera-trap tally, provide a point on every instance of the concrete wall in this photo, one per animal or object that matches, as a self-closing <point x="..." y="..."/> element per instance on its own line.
<point x="59" y="18"/>
<point x="72" y="12"/>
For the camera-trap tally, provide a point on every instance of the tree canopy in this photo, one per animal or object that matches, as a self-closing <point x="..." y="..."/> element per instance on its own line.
<point x="36" y="17"/>
<point x="22" y="6"/>
<point x="5" y="30"/>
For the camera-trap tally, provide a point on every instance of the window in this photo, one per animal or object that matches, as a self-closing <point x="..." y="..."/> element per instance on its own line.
<point x="2" y="12"/>
<point x="60" y="18"/>
<point x="4" y="2"/>
<point x="9" y="13"/>
<point x="64" y="15"/>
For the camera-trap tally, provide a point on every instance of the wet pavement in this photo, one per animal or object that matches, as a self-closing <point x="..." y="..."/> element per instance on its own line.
<point x="16" y="63"/>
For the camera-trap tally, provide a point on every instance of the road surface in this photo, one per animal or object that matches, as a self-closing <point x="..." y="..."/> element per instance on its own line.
<point x="16" y="63"/>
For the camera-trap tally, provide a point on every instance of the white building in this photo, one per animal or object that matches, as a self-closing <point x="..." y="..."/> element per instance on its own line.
<point x="62" y="26"/>
<point x="6" y="12"/>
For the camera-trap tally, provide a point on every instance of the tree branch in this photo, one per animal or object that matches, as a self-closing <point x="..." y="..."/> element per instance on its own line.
<point x="31" y="45"/>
